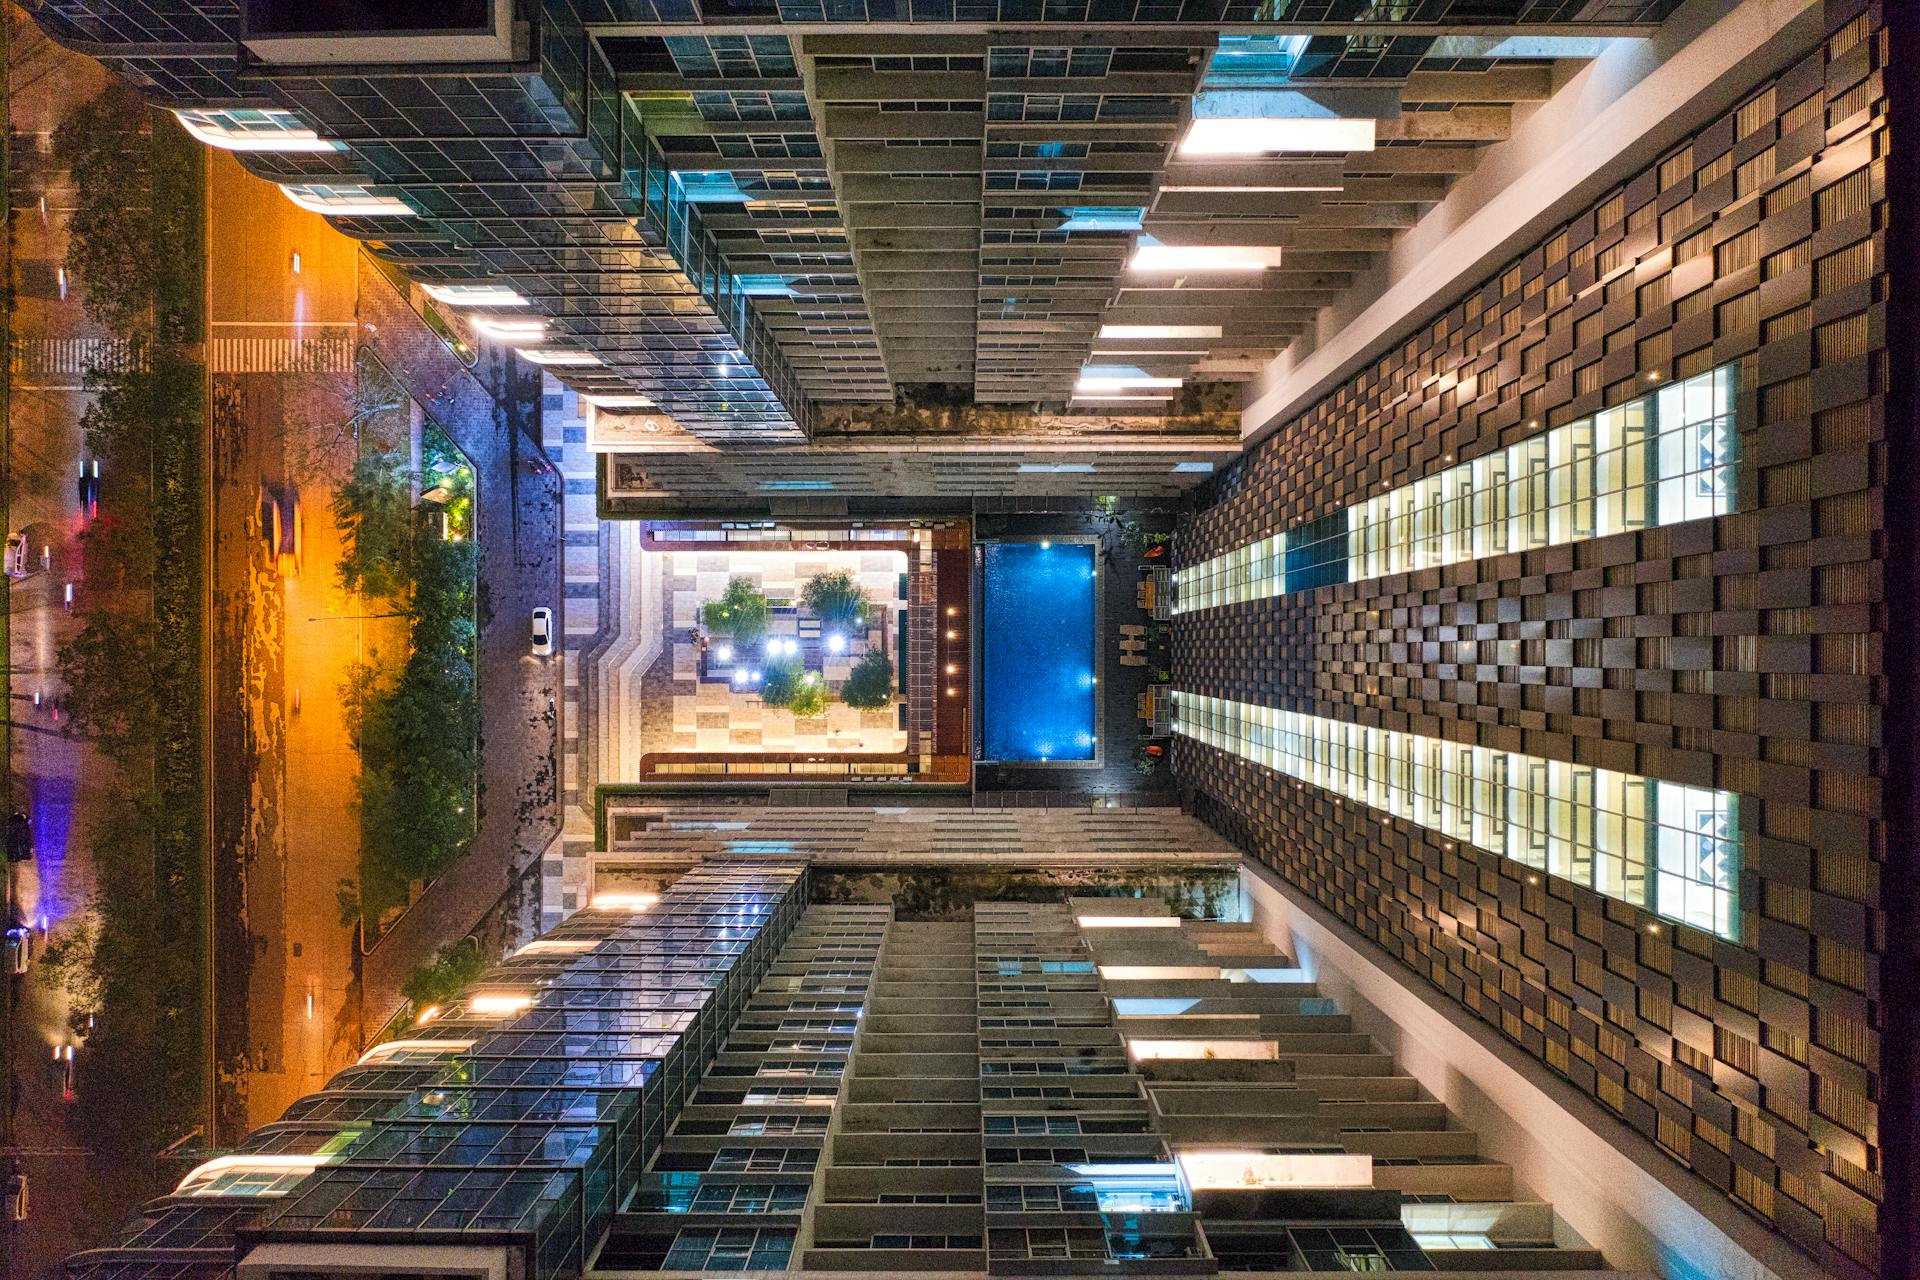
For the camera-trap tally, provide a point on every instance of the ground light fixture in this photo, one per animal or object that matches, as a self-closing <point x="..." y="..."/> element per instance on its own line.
<point x="474" y="295"/>
<point x="836" y="643"/>
<point x="723" y="654"/>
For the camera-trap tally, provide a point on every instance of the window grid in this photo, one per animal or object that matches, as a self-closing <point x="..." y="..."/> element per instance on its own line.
<point x="1661" y="459"/>
<point x="1670" y="848"/>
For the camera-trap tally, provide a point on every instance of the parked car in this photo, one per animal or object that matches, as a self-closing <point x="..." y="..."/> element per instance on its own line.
<point x="282" y="526"/>
<point x="543" y="632"/>
<point x="17" y="1197"/>
<point x="19" y="949"/>
<point x="63" y="1066"/>
<point x="17" y="555"/>
<point x="19" y="837"/>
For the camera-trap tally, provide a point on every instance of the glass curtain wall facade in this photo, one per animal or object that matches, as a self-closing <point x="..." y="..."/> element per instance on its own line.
<point x="518" y="1118"/>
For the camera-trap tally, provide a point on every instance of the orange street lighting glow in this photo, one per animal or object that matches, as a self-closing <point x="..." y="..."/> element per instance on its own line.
<point x="512" y="1003"/>
<point x="1260" y="135"/>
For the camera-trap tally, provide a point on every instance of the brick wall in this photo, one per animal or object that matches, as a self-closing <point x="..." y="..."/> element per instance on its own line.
<point x="1741" y="652"/>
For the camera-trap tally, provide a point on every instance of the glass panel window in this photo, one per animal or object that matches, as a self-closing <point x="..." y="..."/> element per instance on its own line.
<point x="1661" y="459"/>
<point x="253" y="129"/>
<point x="1672" y="849"/>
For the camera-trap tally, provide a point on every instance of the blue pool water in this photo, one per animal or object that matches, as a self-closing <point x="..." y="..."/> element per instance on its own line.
<point x="1037" y="694"/>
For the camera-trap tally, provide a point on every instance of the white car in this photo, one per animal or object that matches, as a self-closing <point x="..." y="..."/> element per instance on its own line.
<point x="543" y="632"/>
<point x="16" y="555"/>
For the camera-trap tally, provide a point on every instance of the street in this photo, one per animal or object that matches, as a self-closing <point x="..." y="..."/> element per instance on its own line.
<point x="79" y="1195"/>
<point x="292" y="306"/>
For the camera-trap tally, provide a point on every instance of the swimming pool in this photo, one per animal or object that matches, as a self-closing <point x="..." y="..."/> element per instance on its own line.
<point x="1038" y="696"/>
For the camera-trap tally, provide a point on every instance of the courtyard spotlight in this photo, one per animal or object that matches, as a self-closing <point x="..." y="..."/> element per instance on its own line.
<point x="836" y="643"/>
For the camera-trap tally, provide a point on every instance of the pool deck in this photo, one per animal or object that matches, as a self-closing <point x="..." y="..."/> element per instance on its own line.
<point x="1120" y="686"/>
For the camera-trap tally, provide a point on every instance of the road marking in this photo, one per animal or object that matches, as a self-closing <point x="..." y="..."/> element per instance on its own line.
<point x="74" y="355"/>
<point x="321" y="353"/>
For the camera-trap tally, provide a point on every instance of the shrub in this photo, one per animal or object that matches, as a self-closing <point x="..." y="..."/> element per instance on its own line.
<point x="790" y="685"/>
<point x="836" y="599"/>
<point x="870" y="685"/>
<point x="741" y="612"/>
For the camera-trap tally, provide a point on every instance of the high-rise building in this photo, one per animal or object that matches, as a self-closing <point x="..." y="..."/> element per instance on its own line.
<point x="1521" y="657"/>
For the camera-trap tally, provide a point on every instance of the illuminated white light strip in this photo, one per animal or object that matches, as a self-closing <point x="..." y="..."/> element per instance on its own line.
<point x="281" y="1165"/>
<point x="1262" y="1170"/>
<point x="381" y="1052"/>
<point x="624" y="901"/>
<point x="1669" y="848"/>
<point x="1130" y="332"/>
<point x="510" y="329"/>
<point x="618" y="401"/>
<point x="1662" y="459"/>
<point x="1126" y="383"/>
<point x="1128" y="922"/>
<point x="555" y="357"/>
<point x="496" y="1005"/>
<point x="474" y="295"/>
<point x="364" y="204"/>
<point x="1255" y="189"/>
<point x="1203" y="257"/>
<point x="288" y="138"/>
<point x="1264" y="135"/>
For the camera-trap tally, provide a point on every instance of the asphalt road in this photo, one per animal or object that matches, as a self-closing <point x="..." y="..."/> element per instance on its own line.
<point x="283" y="643"/>
<point x="76" y="1195"/>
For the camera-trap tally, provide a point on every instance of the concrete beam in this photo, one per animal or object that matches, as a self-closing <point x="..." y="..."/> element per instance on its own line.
<point x="1498" y="84"/>
<point x="1462" y="124"/>
<point x="1613" y="118"/>
<point x="872" y="124"/>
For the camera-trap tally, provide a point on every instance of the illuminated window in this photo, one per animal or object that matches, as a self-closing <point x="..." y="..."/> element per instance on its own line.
<point x="1672" y="849"/>
<point x="345" y="200"/>
<point x="1661" y="459"/>
<point x="252" y="129"/>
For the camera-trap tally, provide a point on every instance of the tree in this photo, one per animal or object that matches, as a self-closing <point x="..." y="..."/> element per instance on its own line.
<point x="836" y="599"/>
<point x="779" y="681"/>
<point x="810" y="697"/>
<point x="373" y="509"/>
<point x="741" y="612"/>
<point x="870" y="685"/>
<point x="111" y="237"/>
<point x="443" y="979"/>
